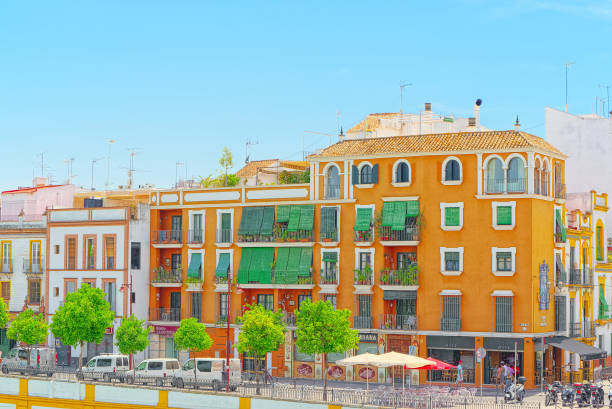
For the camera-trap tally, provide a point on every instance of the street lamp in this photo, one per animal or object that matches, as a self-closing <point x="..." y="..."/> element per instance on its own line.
<point x="123" y="288"/>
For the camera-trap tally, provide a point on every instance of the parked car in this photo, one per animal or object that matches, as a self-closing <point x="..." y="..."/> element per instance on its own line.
<point x="106" y="367"/>
<point x="210" y="371"/>
<point x="157" y="371"/>
<point x="42" y="360"/>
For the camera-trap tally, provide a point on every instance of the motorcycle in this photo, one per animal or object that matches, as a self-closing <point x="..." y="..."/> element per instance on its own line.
<point x="597" y="396"/>
<point x="568" y="395"/>
<point x="583" y="394"/>
<point x="610" y="396"/>
<point x="515" y="391"/>
<point x="552" y="393"/>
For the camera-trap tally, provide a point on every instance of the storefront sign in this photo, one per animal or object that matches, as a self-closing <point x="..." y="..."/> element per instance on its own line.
<point x="304" y="370"/>
<point x="109" y="330"/>
<point x="164" y="330"/>
<point x="368" y="337"/>
<point x="443" y="342"/>
<point x="502" y="344"/>
<point x="335" y="372"/>
<point x="366" y="373"/>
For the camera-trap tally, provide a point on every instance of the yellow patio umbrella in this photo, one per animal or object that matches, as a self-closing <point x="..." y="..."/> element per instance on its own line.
<point x="363" y="359"/>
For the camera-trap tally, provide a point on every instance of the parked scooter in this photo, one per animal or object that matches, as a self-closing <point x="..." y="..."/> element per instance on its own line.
<point x="597" y="396"/>
<point x="610" y="395"/>
<point x="568" y="395"/>
<point x="552" y="393"/>
<point x="583" y="394"/>
<point x="515" y="391"/>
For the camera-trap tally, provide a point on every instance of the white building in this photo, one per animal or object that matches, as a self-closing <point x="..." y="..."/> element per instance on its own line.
<point x="587" y="140"/>
<point x="106" y="248"/>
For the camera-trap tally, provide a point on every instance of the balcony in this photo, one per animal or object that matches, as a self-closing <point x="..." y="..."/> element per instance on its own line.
<point x="575" y="330"/>
<point x="167" y="238"/>
<point x="362" y="322"/>
<point x="280" y="235"/>
<point x="398" y="322"/>
<point x="399" y="278"/>
<point x="303" y="281"/>
<point x="329" y="237"/>
<point x="196" y="237"/>
<point x="6" y="266"/>
<point x="332" y="191"/>
<point x="561" y="278"/>
<point x="575" y="277"/>
<point x="363" y="238"/>
<point x="34" y="266"/>
<point x="165" y="314"/>
<point x="517" y="185"/>
<point x="409" y="236"/>
<point x="560" y="191"/>
<point x="167" y="278"/>
<point x="328" y="282"/>
<point x="495" y="185"/>
<point x="584" y="329"/>
<point x="587" y="276"/>
<point x="224" y="237"/>
<point x="560" y="237"/>
<point x="450" y="324"/>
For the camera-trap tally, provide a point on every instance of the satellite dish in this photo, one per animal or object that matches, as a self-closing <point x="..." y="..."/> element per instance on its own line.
<point x="478" y="102"/>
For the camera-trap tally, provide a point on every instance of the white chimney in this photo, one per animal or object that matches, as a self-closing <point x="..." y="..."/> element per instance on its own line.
<point x="477" y="111"/>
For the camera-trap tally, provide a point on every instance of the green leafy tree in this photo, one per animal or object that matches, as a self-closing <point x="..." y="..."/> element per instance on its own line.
<point x="4" y="316"/>
<point x="226" y="161"/>
<point x="262" y="331"/>
<point x="192" y="336"/>
<point x="132" y="337"/>
<point x="322" y="330"/>
<point x="28" y="328"/>
<point x="83" y="318"/>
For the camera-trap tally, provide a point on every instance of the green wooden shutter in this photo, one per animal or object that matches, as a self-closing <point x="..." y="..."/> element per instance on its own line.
<point x="364" y="219"/>
<point x="330" y="256"/>
<point x="354" y="175"/>
<point x="282" y="214"/>
<point x="328" y="220"/>
<point x="375" y="174"/>
<point x="245" y="220"/>
<point x="598" y="247"/>
<point x="195" y="262"/>
<point x="504" y="215"/>
<point x="603" y="305"/>
<point x="305" y="262"/>
<point x="451" y="215"/>
<point x="294" y="219"/>
<point x="399" y="216"/>
<point x="223" y="265"/>
<point x="306" y="217"/>
<point x="245" y="265"/>
<point x="226" y="221"/>
<point x="280" y="269"/>
<point x="255" y="227"/>
<point x="267" y="223"/>
<point x="261" y="265"/>
<point x="387" y="214"/>
<point x="293" y="265"/>
<point x="412" y="208"/>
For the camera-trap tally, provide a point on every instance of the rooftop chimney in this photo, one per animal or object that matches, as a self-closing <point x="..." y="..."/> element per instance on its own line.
<point x="472" y="122"/>
<point x="477" y="105"/>
<point x="39" y="181"/>
<point x="428" y="106"/>
<point x="517" y="126"/>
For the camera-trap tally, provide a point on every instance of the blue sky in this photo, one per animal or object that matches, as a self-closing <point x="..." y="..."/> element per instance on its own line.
<point x="179" y="80"/>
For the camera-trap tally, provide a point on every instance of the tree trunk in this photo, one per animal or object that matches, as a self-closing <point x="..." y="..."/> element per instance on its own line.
<point x="133" y="367"/>
<point x="257" y="374"/>
<point x="29" y="352"/>
<point x="81" y="357"/>
<point x="324" y="376"/>
<point x="195" y="366"/>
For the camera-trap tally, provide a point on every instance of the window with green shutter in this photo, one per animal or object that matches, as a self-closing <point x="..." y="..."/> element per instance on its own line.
<point x="293" y="265"/>
<point x="504" y="260"/>
<point x="412" y="208"/>
<point x="388" y="213"/>
<point x="329" y="223"/>
<point x="294" y="219"/>
<point x="195" y="264"/>
<point x="280" y="267"/>
<point x="451" y="216"/>
<point x="451" y="261"/>
<point x="504" y="215"/>
<point x="267" y="223"/>
<point x="503" y="314"/>
<point x="282" y="214"/>
<point x="245" y="219"/>
<point x="223" y="265"/>
<point x="399" y="216"/>
<point x="598" y="243"/>
<point x="603" y="305"/>
<point x="245" y="264"/>
<point x="306" y="217"/>
<point x="305" y="262"/>
<point x="364" y="219"/>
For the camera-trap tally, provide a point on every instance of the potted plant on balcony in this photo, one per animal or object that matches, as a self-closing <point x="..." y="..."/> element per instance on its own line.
<point x="194" y="283"/>
<point x="363" y="276"/>
<point x="409" y="276"/>
<point x="385" y="276"/>
<point x="163" y="276"/>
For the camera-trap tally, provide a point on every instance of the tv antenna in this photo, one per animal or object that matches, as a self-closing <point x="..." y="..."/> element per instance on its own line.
<point x="93" y="162"/>
<point x="607" y="88"/>
<point x="68" y="163"/>
<point x="401" y="87"/>
<point x="247" y="144"/>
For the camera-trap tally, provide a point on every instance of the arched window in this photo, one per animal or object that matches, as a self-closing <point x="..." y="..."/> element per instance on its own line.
<point x="516" y="175"/>
<point x="332" y="183"/>
<point x="452" y="171"/>
<point x="495" y="176"/>
<point x="402" y="173"/>
<point x="536" y="177"/>
<point x="365" y="176"/>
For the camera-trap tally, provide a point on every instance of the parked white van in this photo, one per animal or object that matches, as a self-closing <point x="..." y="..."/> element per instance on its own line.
<point x="157" y="371"/>
<point x="42" y="360"/>
<point x="107" y="367"/>
<point x="210" y="371"/>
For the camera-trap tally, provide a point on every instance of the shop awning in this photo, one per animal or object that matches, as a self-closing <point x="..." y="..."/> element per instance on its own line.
<point x="194" y="265"/>
<point x="586" y="352"/>
<point x="399" y="295"/>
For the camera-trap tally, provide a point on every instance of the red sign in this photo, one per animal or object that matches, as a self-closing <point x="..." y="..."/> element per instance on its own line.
<point x="335" y="371"/>
<point x="366" y="373"/>
<point x="304" y="370"/>
<point x="164" y="330"/>
<point x="109" y="330"/>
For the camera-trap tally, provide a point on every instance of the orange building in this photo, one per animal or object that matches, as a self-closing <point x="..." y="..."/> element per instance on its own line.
<point x="439" y="244"/>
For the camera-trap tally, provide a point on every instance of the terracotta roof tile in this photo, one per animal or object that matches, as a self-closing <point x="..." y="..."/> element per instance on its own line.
<point x="446" y="142"/>
<point x="250" y="169"/>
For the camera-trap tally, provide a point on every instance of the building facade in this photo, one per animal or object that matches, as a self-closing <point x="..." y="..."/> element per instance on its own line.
<point x="101" y="247"/>
<point x="439" y="244"/>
